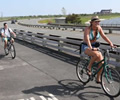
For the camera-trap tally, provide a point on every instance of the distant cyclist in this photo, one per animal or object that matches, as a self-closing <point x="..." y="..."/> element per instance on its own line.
<point x="6" y="34"/>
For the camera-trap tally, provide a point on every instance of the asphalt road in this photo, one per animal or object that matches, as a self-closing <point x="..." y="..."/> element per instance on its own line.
<point x="39" y="73"/>
<point x="42" y="74"/>
<point x="115" y="37"/>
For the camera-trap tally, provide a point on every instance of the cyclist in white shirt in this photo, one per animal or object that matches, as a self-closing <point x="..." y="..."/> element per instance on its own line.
<point x="6" y="34"/>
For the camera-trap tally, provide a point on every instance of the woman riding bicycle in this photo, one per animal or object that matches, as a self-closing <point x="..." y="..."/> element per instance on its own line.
<point x="91" y="34"/>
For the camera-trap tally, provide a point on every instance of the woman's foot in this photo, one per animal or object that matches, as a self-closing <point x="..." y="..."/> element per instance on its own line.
<point x="89" y="72"/>
<point x="98" y="80"/>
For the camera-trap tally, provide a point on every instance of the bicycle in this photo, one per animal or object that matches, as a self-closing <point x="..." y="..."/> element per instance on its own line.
<point x="110" y="78"/>
<point x="10" y="49"/>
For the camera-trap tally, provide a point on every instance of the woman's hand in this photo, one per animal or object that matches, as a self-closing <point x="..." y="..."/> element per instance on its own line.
<point x="113" y="46"/>
<point x="94" y="49"/>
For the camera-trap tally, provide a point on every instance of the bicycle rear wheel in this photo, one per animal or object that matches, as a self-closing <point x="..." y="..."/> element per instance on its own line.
<point x="12" y="51"/>
<point x="111" y="82"/>
<point x="81" y="71"/>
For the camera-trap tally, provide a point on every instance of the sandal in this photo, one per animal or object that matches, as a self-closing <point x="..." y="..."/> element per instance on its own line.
<point x="98" y="82"/>
<point x="89" y="72"/>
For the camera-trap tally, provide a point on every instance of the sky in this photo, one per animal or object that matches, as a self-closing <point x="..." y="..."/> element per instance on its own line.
<point x="54" y="7"/>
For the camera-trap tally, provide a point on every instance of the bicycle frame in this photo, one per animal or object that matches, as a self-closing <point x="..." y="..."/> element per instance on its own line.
<point x="104" y="65"/>
<point x="110" y="78"/>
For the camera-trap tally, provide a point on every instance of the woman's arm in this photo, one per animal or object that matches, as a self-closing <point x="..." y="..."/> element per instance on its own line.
<point x="86" y="37"/>
<point x="105" y="37"/>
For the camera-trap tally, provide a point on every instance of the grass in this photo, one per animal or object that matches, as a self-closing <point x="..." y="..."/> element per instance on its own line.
<point x="109" y="16"/>
<point x="85" y="18"/>
<point x="47" y="21"/>
<point x="50" y="19"/>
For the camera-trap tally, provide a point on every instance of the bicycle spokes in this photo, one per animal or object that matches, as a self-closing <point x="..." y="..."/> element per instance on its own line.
<point x="10" y="49"/>
<point x="111" y="82"/>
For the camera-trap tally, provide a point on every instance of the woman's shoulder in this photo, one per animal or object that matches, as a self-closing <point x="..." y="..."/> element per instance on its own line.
<point x="87" y="28"/>
<point x="99" y="27"/>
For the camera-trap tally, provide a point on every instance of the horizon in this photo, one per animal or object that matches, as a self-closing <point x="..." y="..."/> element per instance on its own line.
<point x="38" y="7"/>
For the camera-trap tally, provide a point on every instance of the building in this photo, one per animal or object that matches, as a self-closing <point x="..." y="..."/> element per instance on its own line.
<point x="107" y="11"/>
<point x="60" y="20"/>
<point x="104" y="11"/>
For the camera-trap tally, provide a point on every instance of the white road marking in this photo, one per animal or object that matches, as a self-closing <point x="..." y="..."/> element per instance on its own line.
<point x="32" y="98"/>
<point x="42" y="97"/>
<point x="20" y="99"/>
<point x="53" y="97"/>
<point x="50" y="99"/>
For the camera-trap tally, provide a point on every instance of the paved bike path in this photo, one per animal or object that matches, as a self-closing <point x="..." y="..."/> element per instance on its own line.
<point x="42" y="74"/>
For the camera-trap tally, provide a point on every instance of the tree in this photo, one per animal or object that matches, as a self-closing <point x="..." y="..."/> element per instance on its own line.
<point x="74" y="18"/>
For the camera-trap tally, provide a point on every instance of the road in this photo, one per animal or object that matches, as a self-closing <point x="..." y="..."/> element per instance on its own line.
<point x="39" y="73"/>
<point x="42" y="74"/>
<point x="67" y="33"/>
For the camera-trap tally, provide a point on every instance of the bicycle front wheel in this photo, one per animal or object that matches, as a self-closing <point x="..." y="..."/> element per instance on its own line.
<point x="6" y="51"/>
<point x="81" y="71"/>
<point x="12" y="51"/>
<point x="111" y="82"/>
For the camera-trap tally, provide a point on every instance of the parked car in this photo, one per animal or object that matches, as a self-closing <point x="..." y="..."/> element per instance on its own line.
<point x="13" y="21"/>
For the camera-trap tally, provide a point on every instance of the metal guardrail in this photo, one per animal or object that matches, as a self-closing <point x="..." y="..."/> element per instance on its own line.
<point x="68" y="45"/>
<point x="110" y="28"/>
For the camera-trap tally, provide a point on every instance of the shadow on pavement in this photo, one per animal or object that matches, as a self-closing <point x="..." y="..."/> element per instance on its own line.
<point x="53" y="53"/>
<point x="61" y="89"/>
<point x="68" y="87"/>
<point x="2" y="56"/>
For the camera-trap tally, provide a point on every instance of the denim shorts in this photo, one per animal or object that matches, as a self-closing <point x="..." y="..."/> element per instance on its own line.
<point x="85" y="46"/>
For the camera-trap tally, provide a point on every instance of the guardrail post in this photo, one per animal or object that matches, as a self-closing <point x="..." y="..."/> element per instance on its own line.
<point x="44" y="42"/>
<point x="118" y="60"/>
<point x="110" y="30"/>
<point x="73" y="28"/>
<point x="60" y="46"/>
<point x="32" y="39"/>
<point x="118" y="67"/>
<point x="24" y="37"/>
<point x="65" y="28"/>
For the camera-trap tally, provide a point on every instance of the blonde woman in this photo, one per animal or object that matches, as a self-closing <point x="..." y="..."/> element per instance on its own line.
<point x="91" y="34"/>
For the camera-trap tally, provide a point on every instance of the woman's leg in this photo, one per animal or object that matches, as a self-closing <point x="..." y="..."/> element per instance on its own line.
<point x="94" y="56"/>
<point x="99" y="73"/>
